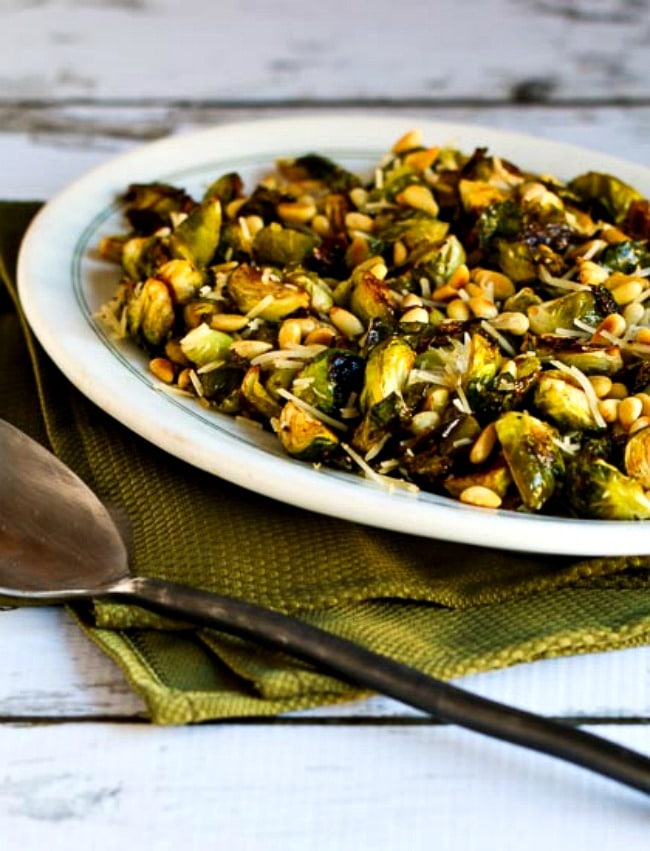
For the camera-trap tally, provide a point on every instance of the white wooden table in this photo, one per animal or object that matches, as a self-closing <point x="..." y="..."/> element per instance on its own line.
<point x="81" y="81"/>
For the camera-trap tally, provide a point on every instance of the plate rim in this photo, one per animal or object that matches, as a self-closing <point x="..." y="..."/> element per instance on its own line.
<point x="322" y="491"/>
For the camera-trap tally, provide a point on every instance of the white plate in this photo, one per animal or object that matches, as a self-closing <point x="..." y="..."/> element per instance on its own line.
<point x="62" y="283"/>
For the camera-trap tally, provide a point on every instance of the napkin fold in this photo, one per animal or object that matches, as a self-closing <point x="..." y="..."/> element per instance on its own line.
<point x="447" y="609"/>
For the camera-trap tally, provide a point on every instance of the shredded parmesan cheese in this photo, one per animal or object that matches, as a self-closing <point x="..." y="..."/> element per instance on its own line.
<point x="312" y="411"/>
<point x="588" y="388"/>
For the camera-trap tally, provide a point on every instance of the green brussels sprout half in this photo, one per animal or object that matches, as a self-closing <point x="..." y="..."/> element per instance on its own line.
<point x="606" y="193"/>
<point x="248" y="286"/>
<point x="302" y="435"/>
<point x="597" y="489"/>
<point x="197" y="237"/>
<point x="530" y="448"/>
<point x="330" y="379"/>
<point x="280" y="246"/>
<point x="203" y="345"/>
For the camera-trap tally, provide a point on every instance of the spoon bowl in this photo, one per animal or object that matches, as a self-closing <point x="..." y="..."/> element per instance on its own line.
<point x="59" y="543"/>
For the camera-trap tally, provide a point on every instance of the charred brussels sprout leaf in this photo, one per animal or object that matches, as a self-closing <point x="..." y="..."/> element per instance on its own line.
<point x="317" y="167"/>
<point x="151" y="205"/>
<point x="226" y="188"/>
<point x="637" y="456"/>
<point x="257" y="395"/>
<point x="530" y="447"/>
<point x="561" y="312"/>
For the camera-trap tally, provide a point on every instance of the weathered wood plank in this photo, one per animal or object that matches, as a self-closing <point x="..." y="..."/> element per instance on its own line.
<point x="44" y="149"/>
<point x="486" y="50"/>
<point x="257" y="787"/>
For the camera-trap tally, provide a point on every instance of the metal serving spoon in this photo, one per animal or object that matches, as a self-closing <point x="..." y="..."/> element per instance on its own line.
<point x="58" y="544"/>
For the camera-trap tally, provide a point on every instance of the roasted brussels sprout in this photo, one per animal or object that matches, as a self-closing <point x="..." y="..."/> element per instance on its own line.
<point x="531" y="449"/>
<point x="449" y="320"/>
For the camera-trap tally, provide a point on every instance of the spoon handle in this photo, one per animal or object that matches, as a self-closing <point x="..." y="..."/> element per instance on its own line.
<point x="355" y="664"/>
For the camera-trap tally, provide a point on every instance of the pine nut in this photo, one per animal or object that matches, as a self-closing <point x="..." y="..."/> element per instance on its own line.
<point x="323" y="336"/>
<point x="629" y="410"/>
<point x="249" y="349"/>
<point x="422" y="160"/>
<point x="424" y="421"/>
<point x="296" y="212"/>
<point x="637" y="425"/>
<point x="228" y="322"/>
<point x="400" y="253"/>
<point x="482" y="307"/>
<point x="320" y="224"/>
<point x="346" y="322"/>
<point x="643" y="336"/>
<point x="292" y="331"/>
<point x="483" y="445"/>
<point x="416" y="314"/>
<point x="592" y="273"/>
<point x="625" y="293"/>
<point x="613" y="324"/>
<point x="358" y="196"/>
<point x="411" y="300"/>
<point x="512" y="322"/>
<point x="410" y="140"/>
<point x="633" y="313"/>
<point x="359" y="221"/>
<point x="645" y="401"/>
<point x="480" y="496"/>
<point x="418" y="197"/>
<point x="459" y="277"/>
<point x="458" y="310"/>
<point x="163" y="369"/>
<point x="502" y="286"/>
<point x="602" y="385"/>
<point x="618" y="390"/>
<point x="609" y="409"/>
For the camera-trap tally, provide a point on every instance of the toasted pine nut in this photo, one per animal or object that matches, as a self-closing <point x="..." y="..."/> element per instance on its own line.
<point x="609" y="409"/>
<point x="645" y="401"/>
<point x="233" y="207"/>
<point x="184" y="379"/>
<point x="359" y="221"/>
<point x="292" y="331"/>
<point x="637" y="425"/>
<point x="323" y="336"/>
<point x="296" y="212"/>
<point x="617" y="391"/>
<point x="602" y="385"/>
<point x="445" y="293"/>
<point x="250" y="349"/>
<point x="643" y="336"/>
<point x="633" y="313"/>
<point x="482" y="307"/>
<point x="480" y="496"/>
<point x="502" y="286"/>
<point x="613" y="324"/>
<point x="410" y="140"/>
<point x="163" y="369"/>
<point x="358" y="196"/>
<point x="511" y="321"/>
<point x="229" y="322"/>
<point x="483" y="445"/>
<point x="423" y="159"/>
<point x="418" y="197"/>
<point x="437" y="399"/>
<point x="629" y="410"/>
<point x="346" y="322"/>
<point x="458" y="310"/>
<point x="400" y="253"/>
<point x="625" y="293"/>
<point x="321" y="225"/>
<point x="425" y="421"/>
<point x="591" y="273"/>
<point x="459" y="277"/>
<point x="415" y="314"/>
<point x="411" y="300"/>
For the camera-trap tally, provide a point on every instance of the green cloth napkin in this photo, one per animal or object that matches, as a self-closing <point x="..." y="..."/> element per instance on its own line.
<point x="444" y="608"/>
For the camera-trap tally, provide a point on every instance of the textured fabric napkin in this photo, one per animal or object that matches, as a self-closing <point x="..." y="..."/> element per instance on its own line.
<point x="444" y="608"/>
